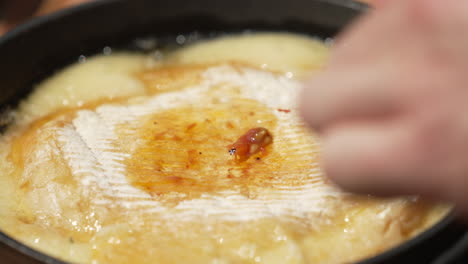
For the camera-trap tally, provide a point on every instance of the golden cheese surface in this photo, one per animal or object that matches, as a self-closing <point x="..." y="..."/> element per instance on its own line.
<point x="125" y="159"/>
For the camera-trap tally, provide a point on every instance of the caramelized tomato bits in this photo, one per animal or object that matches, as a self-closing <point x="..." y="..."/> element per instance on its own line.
<point x="253" y="141"/>
<point x="284" y="110"/>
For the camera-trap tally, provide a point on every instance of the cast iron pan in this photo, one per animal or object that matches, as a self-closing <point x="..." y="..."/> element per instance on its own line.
<point x="35" y="50"/>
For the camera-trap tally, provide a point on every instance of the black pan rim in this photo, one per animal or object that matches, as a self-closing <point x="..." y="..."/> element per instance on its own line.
<point x="40" y="21"/>
<point x="443" y="223"/>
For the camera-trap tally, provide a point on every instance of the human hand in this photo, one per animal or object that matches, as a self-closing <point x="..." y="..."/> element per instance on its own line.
<point x="392" y="106"/>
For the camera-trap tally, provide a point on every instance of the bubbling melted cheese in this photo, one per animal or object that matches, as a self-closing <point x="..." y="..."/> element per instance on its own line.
<point x="150" y="145"/>
<point x="144" y="175"/>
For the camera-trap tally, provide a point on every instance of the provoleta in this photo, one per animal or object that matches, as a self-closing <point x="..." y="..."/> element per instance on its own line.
<point x="122" y="159"/>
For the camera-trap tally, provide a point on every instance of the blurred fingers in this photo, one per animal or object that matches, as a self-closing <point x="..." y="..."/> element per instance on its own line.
<point x="340" y="95"/>
<point x="375" y="157"/>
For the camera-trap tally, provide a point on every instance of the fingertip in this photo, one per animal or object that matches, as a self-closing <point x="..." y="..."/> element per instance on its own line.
<point x="338" y="165"/>
<point x="362" y="159"/>
<point x="306" y="105"/>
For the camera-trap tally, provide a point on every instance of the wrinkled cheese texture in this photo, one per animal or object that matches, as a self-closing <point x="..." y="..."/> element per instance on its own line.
<point x="121" y="159"/>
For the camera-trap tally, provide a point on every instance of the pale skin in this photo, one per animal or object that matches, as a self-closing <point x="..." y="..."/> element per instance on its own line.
<point x="391" y="107"/>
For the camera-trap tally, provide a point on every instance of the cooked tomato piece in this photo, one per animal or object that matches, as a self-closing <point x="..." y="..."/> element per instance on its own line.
<point x="253" y="141"/>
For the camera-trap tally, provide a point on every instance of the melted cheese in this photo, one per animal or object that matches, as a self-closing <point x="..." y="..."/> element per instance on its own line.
<point x="139" y="170"/>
